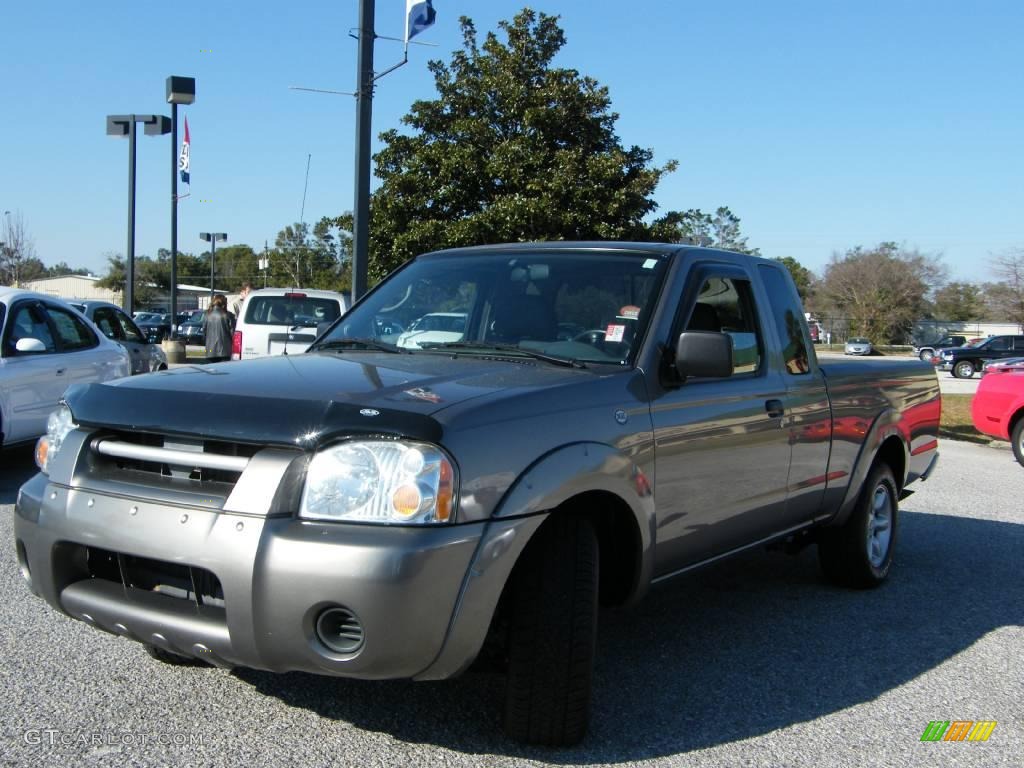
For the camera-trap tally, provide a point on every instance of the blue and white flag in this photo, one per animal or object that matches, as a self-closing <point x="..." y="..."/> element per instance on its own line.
<point x="419" y="14"/>
<point x="183" y="157"/>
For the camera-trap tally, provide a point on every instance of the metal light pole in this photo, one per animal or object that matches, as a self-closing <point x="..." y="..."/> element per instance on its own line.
<point x="124" y="125"/>
<point x="180" y="90"/>
<point x="364" y="112"/>
<point x="212" y="238"/>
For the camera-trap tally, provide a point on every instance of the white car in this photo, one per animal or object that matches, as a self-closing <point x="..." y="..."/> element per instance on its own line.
<point x="436" y="327"/>
<point x="283" y="321"/>
<point x="46" y="346"/>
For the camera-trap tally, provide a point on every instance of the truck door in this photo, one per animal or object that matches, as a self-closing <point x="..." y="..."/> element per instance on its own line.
<point x="722" y="458"/>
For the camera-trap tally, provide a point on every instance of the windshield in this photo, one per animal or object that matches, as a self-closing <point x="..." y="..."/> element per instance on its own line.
<point x="586" y="306"/>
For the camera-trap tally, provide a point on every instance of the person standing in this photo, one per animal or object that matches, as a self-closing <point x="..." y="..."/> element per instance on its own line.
<point x="236" y="306"/>
<point x="217" y="328"/>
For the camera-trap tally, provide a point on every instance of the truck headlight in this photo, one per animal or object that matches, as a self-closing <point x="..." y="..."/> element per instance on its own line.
<point x="380" y="481"/>
<point x="58" y="425"/>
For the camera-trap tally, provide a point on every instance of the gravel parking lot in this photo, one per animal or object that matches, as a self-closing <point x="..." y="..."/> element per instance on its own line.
<point x="755" y="662"/>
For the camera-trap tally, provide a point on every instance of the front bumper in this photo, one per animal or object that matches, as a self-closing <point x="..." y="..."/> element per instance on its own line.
<point x="424" y="596"/>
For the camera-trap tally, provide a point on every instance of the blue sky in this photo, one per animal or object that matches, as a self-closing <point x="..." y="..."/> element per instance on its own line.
<point x="823" y="125"/>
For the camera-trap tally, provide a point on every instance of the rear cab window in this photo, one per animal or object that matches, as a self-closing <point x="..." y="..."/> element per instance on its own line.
<point x="790" y="325"/>
<point x="292" y="309"/>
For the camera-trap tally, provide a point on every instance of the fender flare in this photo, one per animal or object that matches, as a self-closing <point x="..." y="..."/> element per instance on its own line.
<point x="554" y="478"/>
<point x="885" y="427"/>
<point x="575" y="469"/>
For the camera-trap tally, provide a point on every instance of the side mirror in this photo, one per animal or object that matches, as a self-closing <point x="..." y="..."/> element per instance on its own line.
<point x="705" y="354"/>
<point x="30" y="345"/>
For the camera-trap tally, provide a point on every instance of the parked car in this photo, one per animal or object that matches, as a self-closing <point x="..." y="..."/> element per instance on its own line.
<point x="276" y="321"/>
<point x="998" y="406"/>
<point x="155" y="327"/>
<point x="858" y="346"/>
<point x="45" y="347"/>
<point x="964" y="362"/>
<point x="392" y="510"/>
<point x="930" y="349"/>
<point x="433" y="328"/>
<point x="1002" y="366"/>
<point x="115" y="324"/>
<point x="192" y="331"/>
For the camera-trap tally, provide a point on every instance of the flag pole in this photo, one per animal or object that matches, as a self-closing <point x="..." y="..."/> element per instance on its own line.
<point x="364" y="115"/>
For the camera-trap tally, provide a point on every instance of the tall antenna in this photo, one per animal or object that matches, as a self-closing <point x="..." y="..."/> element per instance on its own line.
<point x="302" y="213"/>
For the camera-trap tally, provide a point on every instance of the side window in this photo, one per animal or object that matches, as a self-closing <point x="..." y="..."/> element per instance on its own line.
<point x="28" y="322"/>
<point x="1000" y="344"/>
<point x="106" y="321"/>
<point x="74" y="334"/>
<point x="788" y="319"/>
<point x="129" y="329"/>
<point x="726" y="304"/>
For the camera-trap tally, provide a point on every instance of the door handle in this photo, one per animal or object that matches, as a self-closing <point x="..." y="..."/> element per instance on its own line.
<point x="774" y="409"/>
<point x="60" y="371"/>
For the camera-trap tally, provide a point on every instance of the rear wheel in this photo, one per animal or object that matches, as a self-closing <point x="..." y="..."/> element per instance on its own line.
<point x="552" y="634"/>
<point x="859" y="553"/>
<point x="964" y="369"/>
<point x="1017" y="438"/>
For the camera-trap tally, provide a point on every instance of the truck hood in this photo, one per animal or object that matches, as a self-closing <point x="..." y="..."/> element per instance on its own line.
<point x="305" y="399"/>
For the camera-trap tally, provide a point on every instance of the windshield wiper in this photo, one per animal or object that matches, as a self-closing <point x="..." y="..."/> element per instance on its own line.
<point x="365" y="343"/>
<point x="477" y="346"/>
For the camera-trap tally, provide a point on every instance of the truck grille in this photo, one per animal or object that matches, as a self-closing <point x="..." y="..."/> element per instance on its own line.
<point x="182" y="582"/>
<point x="204" y="460"/>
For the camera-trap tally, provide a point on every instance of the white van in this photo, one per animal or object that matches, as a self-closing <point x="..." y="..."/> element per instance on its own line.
<point x="283" y="321"/>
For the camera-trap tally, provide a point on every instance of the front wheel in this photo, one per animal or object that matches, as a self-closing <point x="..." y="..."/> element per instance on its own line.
<point x="552" y="634"/>
<point x="925" y="355"/>
<point x="963" y="369"/>
<point x="1017" y="438"/>
<point x="859" y="553"/>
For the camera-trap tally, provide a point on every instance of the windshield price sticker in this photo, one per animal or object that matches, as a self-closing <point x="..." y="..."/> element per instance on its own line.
<point x="614" y="332"/>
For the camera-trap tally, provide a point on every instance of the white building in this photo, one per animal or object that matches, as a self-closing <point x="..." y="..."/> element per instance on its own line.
<point x="72" y="287"/>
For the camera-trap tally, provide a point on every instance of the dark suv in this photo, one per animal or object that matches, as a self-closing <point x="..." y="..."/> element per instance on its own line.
<point x="965" y="361"/>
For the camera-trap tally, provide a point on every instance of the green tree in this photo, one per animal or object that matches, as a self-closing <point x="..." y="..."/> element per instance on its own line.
<point x="882" y="291"/>
<point x="61" y="268"/>
<point x="802" y="276"/>
<point x="694" y="227"/>
<point x="151" y="283"/>
<point x="513" y="149"/>
<point x="959" y="301"/>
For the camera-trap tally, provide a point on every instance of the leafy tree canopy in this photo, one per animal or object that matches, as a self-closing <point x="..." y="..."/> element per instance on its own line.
<point x="882" y="290"/>
<point x="513" y="149"/>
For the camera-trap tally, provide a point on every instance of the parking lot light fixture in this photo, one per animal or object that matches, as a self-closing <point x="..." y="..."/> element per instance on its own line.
<point x="212" y="238"/>
<point x="180" y="90"/>
<point x="124" y="125"/>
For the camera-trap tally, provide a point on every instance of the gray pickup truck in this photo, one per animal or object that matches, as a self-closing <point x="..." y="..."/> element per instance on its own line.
<point x="589" y="419"/>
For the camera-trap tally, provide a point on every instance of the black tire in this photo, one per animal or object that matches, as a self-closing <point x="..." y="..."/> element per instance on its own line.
<point x="963" y="370"/>
<point x="169" y="657"/>
<point x="846" y="553"/>
<point x="1017" y="438"/>
<point x="552" y="634"/>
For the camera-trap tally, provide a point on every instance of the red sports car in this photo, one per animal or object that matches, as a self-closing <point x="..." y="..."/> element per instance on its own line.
<point x="998" y="406"/>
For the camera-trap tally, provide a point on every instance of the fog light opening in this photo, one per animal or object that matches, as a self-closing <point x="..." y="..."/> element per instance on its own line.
<point x="340" y="630"/>
<point x="26" y="573"/>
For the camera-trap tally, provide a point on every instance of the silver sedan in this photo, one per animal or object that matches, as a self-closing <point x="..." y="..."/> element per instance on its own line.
<point x="858" y="346"/>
